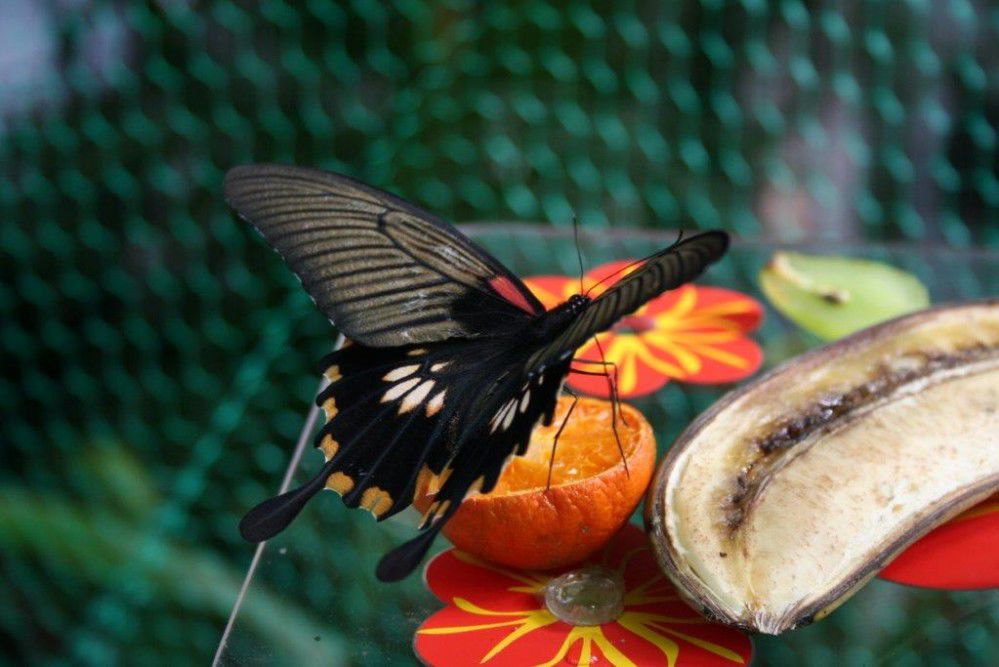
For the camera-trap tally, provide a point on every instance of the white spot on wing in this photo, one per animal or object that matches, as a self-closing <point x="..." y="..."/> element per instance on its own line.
<point x="501" y="414"/>
<point x="438" y="367"/>
<point x="399" y="389"/>
<point x="510" y="414"/>
<point x="415" y="397"/>
<point x="525" y="400"/>
<point x="436" y="403"/>
<point x="401" y="372"/>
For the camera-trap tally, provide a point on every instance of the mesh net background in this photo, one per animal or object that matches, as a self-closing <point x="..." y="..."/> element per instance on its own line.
<point x="157" y="355"/>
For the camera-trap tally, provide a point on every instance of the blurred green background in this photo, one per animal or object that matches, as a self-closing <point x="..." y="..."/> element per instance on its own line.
<point x="158" y="358"/>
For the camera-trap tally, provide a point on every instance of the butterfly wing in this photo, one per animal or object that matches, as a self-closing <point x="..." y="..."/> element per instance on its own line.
<point x="666" y="270"/>
<point x="387" y="413"/>
<point x="495" y="427"/>
<point x="385" y="272"/>
<point x="392" y="413"/>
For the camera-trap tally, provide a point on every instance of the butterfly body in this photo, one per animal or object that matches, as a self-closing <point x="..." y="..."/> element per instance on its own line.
<point x="546" y="326"/>
<point x="453" y="361"/>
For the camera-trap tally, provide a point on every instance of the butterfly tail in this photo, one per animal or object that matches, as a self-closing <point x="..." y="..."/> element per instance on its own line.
<point x="275" y="514"/>
<point x="401" y="561"/>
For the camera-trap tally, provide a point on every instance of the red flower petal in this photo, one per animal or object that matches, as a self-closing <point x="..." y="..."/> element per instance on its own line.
<point x="635" y="378"/>
<point x="716" y="369"/>
<point x="695" y="334"/>
<point x="693" y="640"/>
<point x="452" y="574"/>
<point x="961" y="554"/>
<point x="479" y="627"/>
<point x="551" y="290"/>
<point x="743" y="311"/>
<point x="466" y="639"/>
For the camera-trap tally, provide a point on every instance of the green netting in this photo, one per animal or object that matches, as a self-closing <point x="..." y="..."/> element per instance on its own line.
<point x="157" y="358"/>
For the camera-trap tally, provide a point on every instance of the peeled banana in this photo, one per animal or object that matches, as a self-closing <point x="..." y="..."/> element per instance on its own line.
<point x="789" y="494"/>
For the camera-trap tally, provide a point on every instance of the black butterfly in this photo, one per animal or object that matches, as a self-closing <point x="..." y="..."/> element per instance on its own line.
<point x="453" y="360"/>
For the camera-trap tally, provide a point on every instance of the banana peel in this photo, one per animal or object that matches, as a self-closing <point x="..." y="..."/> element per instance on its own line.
<point x="789" y="494"/>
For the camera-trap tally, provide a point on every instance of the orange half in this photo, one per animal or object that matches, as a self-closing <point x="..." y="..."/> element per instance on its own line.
<point x="523" y="523"/>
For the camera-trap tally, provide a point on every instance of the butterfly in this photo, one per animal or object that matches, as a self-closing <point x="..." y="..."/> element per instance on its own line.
<point x="452" y="361"/>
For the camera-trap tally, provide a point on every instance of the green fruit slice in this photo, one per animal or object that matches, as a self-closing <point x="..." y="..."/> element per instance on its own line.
<point x="835" y="296"/>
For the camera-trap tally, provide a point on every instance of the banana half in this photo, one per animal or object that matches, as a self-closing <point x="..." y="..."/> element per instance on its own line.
<point x="789" y="494"/>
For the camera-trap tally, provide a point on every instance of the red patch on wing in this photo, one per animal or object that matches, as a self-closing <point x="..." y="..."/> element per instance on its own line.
<point x="506" y="289"/>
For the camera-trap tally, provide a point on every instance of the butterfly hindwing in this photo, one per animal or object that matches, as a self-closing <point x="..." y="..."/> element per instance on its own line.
<point x="385" y="272"/>
<point x="387" y="417"/>
<point x="384" y="414"/>
<point x="394" y="413"/>
<point x="497" y="427"/>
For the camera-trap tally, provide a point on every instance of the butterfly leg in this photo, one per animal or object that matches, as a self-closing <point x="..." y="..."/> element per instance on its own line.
<point x="615" y="407"/>
<point x="615" y="399"/>
<point x="568" y="413"/>
<point x="612" y="383"/>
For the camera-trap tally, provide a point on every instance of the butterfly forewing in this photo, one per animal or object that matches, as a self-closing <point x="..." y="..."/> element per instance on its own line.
<point x="674" y="266"/>
<point x="385" y="272"/>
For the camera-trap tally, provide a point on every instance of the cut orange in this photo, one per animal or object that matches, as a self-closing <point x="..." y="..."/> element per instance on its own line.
<point x="523" y="524"/>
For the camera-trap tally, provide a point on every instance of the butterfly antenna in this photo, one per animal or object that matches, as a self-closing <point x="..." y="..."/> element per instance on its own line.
<point x="579" y="252"/>
<point x="558" y="433"/>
